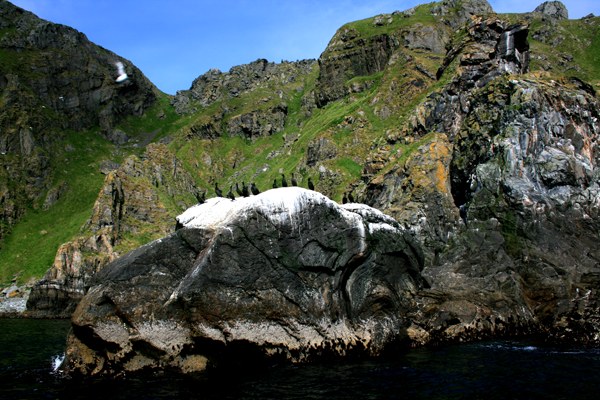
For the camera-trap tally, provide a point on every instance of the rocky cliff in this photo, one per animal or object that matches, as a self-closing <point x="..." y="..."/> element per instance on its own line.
<point x="135" y="205"/>
<point x="52" y="79"/>
<point x="266" y="87"/>
<point x="475" y="133"/>
<point x="504" y="195"/>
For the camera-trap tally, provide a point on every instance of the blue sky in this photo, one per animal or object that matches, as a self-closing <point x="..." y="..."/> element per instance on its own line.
<point x="173" y="42"/>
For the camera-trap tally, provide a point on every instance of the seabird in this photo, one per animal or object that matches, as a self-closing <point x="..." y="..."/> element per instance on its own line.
<point x="344" y="199"/>
<point x="121" y="71"/>
<point x="201" y="197"/>
<point x="230" y="193"/>
<point x="350" y="197"/>
<point x="294" y="181"/>
<point x="254" y="189"/>
<point x="311" y="185"/>
<point x="218" y="191"/>
<point x="245" y="191"/>
<point x="283" y="181"/>
<point x="237" y="189"/>
<point x="275" y="184"/>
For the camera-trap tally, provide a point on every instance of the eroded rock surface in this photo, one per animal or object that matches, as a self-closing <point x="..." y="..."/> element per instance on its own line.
<point x="517" y="154"/>
<point x="287" y="274"/>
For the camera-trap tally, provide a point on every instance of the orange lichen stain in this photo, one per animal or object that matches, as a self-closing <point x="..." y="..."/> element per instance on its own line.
<point x="440" y="153"/>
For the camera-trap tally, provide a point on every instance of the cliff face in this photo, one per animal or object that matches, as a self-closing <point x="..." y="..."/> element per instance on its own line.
<point x="504" y="195"/>
<point x="354" y="52"/>
<point x="52" y="79"/>
<point x="135" y="205"/>
<point x="477" y="132"/>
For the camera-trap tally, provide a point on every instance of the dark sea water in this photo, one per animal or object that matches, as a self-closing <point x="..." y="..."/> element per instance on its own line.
<point x="487" y="370"/>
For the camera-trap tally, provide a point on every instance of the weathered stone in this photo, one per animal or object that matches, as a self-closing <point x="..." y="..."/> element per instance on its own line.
<point x="320" y="150"/>
<point x="117" y="136"/>
<point x="457" y="12"/>
<point x="523" y="177"/>
<point x="426" y="38"/>
<point x="258" y="123"/>
<point x="347" y="56"/>
<point x="206" y="129"/>
<point x="554" y="9"/>
<point x="251" y="276"/>
<point x="54" y="194"/>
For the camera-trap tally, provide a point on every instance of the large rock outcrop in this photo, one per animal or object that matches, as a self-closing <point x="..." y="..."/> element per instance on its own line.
<point x="286" y="275"/>
<point x="504" y="196"/>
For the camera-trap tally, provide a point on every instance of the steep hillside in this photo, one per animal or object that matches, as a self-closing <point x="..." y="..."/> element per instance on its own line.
<point x="474" y="130"/>
<point x="477" y="132"/>
<point x="60" y="106"/>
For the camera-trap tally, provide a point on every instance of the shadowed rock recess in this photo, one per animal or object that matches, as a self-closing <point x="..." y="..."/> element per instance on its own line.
<point x="286" y="275"/>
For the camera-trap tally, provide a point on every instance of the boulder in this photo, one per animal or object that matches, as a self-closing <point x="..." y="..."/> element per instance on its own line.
<point x="554" y="9"/>
<point x="284" y="275"/>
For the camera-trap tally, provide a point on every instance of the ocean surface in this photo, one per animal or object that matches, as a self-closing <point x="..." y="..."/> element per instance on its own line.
<point x="31" y="349"/>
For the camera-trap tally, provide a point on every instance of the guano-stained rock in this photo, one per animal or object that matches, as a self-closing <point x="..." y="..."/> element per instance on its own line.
<point x="285" y="275"/>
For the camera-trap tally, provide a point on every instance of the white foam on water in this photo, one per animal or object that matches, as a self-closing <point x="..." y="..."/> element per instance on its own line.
<point x="57" y="361"/>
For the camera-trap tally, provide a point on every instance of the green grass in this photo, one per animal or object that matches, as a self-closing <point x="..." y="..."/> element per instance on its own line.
<point x="367" y="27"/>
<point x="30" y="248"/>
<point x="577" y="38"/>
<point x="260" y="160"/>
<point x="349" y="165"/>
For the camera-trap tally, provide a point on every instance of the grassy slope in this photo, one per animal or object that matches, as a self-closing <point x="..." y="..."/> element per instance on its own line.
<point x="213" y="161"/>
<point x="233" y="159"/>
<point x="30" y="248"/>
<point x="579" y="39"/>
